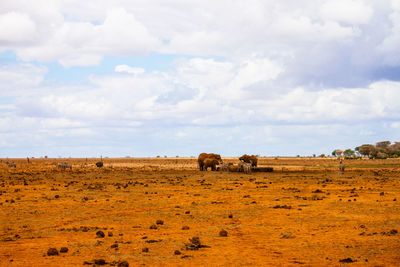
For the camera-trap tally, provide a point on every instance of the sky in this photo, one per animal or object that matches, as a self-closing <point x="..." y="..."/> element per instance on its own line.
<point x="146" y="78"/>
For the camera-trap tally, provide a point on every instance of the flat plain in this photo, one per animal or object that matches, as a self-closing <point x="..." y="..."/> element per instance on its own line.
<point x="165" y="212"/>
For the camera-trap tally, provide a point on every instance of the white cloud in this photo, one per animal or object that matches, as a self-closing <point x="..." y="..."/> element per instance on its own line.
<point x="18" y="78"/>
<point x="85" y="43"/>
<point x="75" y="33"/>
<point x="348" y="11"/>
<point x="16" y="27"/>
<point x="128" y="69"/>
<point x="389" y="46"/>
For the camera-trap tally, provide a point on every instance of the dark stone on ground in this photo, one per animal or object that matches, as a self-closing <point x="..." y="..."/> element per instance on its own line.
<point x="194" y="244"/>
<point x="317" y="191"/>
<point x="100" y="234"/>
<point x="100" y="262"/>
<point x="153" y="241"/>
<point x="145" y="249"/>
<point x="52" y="252"/>
<point x="160" y="222"/>
<point x="223" y="233"/>
<point x="186" y="256"/>
<point x="282" y="207"/>
<point x="347" y="260"/>
<point x="177" y="252"/>
<point x="64" y="250"/>
<point x="123" y="264"/>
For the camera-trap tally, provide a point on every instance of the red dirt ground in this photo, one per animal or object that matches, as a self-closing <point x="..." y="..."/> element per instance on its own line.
<point x="305" y="213"/>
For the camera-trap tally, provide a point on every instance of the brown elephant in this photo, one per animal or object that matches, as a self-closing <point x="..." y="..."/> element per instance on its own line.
<point x="249" y="159"/>
<point x="210" y="162"/>
<point x="203" y="156"/>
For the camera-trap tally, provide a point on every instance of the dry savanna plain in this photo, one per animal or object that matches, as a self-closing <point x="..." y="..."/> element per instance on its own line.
<point x="165" y="212"/>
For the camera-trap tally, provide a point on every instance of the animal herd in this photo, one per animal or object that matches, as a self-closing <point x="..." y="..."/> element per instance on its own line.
<point x="210" y="160"/>
<point x="205" y="160"/>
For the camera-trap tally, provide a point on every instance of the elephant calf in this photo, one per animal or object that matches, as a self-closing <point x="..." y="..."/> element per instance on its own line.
<point x="203" y="156"/>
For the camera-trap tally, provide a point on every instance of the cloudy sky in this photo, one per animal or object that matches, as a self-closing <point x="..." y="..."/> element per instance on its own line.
<point x="146" y="78"/>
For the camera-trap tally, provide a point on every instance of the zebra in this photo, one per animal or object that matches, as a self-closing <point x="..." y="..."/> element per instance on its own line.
<point x="223" y="167"/>
<point x="11" y="165"/>
<point x="244" y="166"/>
<point x="64" y="165"/>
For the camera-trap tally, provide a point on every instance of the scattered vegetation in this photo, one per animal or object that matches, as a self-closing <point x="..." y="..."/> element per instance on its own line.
<point x="381" y="150"/>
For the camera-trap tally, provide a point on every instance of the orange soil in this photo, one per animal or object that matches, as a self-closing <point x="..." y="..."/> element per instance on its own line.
<point x="306" y="213"/>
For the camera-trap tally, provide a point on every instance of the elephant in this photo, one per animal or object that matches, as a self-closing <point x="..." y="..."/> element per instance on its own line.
<point x="203" y="156"/>
<point x="249" y="159"/>
<point x="210" y="162"/>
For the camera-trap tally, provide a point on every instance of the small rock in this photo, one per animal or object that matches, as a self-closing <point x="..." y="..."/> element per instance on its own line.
<point x="100" y="234"/>
<point x="287" y="236"/>
<point x="185" y="227"/>
<point x="153" y="241"/>
<point x="230" y="216"/>
<point x="223" y="233"/>
<point x="317" y="191"/>
<point x="52" y="252"/>
<point x="64" y="250"/>
<point x="347" y="260"/>
<point x="100" y="262"/>
<point x="177" y="252"/>
<point x="110" y="234"/>
<point x="123" y="264"/>
<point x="160" y="222"/>
<point x="153" y="226"/>
<point x="145" y="249"/>
<point x="114" y="245"/>
<point x="186" y="256"/>
<point x="382" y="194"/>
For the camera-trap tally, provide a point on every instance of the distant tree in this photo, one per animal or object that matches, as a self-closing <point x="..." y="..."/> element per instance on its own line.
<point x="349" y="153"/>
<point x="382" y="148"/>
<point x="383" y="145"/>
<point x="365" y="150"/>
<point x="394" y="150"/>
<point x="381" y="155"/>
<point x="337" y="152"/>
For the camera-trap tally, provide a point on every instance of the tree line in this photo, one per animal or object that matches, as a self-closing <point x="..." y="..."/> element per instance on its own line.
<point x="381" y="150"/>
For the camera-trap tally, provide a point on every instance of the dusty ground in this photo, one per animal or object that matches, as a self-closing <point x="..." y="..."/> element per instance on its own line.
<point x="306" y="213"/>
